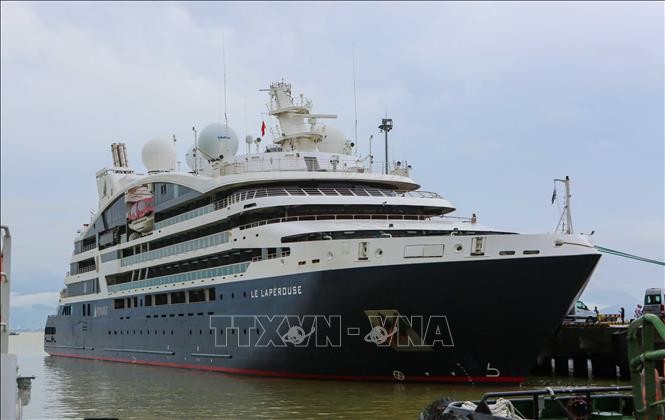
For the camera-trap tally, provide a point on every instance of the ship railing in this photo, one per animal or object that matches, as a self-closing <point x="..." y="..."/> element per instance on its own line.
<point x="405" y="217"/>
<point x="226" y="270"/>
<point x="291" y="191"/>
<point x="267" y="163"/>
<point x="282" y="254"/>
<point x="184" y="216"/>
<point x="335" y="217"/>
<point x="176" y="249"/>
<point x="82" y="270"/>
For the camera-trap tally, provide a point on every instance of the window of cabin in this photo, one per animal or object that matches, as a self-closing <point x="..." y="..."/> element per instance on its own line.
<point x="198" y="295"/>
<point x="161" y="299"/>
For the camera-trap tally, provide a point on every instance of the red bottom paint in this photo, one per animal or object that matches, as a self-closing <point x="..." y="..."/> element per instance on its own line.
<point x="474" y="379"/>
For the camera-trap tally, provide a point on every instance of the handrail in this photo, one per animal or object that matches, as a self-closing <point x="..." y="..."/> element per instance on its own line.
<point x="170" y="250"/>
<point x="642" y="357"/>
<point x="334" y="217"/>
<point x="82" y="270"/>
<point x="292" y="191"/>
<point x="223" y="270"/>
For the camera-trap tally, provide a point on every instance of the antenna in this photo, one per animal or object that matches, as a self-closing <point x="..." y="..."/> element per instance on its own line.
<point x="355" y="101"/>
<point x="244" y="110"/>
<point x="226" y="119"/>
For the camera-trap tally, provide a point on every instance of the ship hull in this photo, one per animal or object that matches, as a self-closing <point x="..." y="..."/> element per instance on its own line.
<point x="476" y="321"/>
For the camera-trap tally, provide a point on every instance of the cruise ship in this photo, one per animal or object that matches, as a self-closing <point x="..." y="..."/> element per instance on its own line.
<point x="301" y="259"/>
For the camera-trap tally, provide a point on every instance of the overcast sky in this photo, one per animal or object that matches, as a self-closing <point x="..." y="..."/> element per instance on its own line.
<point x="491" y="101"/>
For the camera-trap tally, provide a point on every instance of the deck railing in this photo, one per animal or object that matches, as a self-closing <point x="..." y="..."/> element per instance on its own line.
<point x="179" y="248"/>
<point x="225" y="270"/>
<point x="291" y="191"/>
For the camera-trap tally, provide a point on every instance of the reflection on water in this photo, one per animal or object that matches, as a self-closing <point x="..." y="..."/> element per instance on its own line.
<point x="71" y="388"/>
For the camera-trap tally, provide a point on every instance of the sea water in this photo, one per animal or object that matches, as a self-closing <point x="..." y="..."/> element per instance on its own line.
<point x="75" y="388"/>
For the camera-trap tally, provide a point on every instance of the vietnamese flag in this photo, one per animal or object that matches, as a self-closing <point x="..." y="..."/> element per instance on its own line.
<point x="263" y="128"/>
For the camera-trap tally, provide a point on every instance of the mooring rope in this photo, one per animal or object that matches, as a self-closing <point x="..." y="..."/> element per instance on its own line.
<point x="626" y="255"/>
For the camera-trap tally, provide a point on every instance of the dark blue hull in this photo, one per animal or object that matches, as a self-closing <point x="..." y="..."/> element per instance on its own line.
<point x="453" y="321"/>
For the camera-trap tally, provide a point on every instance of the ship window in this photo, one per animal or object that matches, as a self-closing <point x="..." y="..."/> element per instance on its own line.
<point x="136" y="302"/>
<point x="506" y="252"/>
<point x="197" y="295"/>
<point x="148" y="300"/>
<point x="178" y="297"/>
<point x="118" y="303"/>
<point x="161" y="299"/>
<point x="211" y="293"/>
<point x="531" y="252"/>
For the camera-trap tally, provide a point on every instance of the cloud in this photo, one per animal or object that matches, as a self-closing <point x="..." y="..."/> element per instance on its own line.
<point x="49" y="299"/>
<point x="490" y="102"/>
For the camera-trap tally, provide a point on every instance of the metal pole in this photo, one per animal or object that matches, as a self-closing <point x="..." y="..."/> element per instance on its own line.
<point x="386" y="134"/>
<point x="569" y="217"/>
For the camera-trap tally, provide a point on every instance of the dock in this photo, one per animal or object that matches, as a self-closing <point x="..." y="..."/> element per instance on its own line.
<point x="597" y="350"/>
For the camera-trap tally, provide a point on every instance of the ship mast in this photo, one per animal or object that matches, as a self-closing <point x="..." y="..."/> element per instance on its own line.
<point x="298" y="129"/>
<point x="565" y="226"/>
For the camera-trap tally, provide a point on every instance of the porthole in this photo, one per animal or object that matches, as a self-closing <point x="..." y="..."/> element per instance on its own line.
<point x="458" y="247"/>
<point x="378" y="253"/>
<point x="244" y="294"/>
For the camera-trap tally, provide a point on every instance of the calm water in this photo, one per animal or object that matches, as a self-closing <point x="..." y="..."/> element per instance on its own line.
<point x="71" y="388"/>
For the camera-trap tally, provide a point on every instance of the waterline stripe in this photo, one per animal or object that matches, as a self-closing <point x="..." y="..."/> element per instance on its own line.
<point x="253" y="372"/>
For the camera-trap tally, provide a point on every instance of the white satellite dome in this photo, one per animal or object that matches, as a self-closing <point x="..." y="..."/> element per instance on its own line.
<point x="201" y="163"/>
<point x="333" y="141"/>
<point x="218" y="141"/>
<point x="158" y="155"/>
